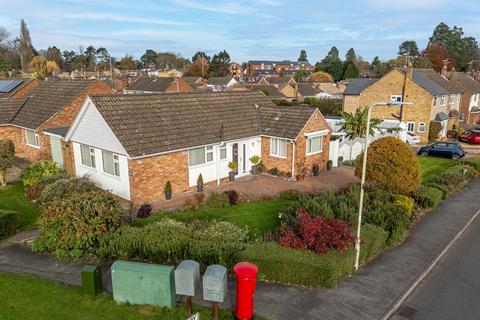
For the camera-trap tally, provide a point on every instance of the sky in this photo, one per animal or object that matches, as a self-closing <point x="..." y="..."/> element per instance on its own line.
<point x="247" y="29"/>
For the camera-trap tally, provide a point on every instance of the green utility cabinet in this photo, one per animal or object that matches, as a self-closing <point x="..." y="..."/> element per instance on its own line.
<point x="142" y="283"/>
<point x="91" y="279"/>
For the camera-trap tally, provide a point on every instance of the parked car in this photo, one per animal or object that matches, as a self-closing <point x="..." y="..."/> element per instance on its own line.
<point x="412" y="139"/>
<point x="470" y="136"/>
<point x="445" y="149"/>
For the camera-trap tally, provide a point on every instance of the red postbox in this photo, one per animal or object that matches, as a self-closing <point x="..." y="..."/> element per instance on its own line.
<point x="246" y="280"/>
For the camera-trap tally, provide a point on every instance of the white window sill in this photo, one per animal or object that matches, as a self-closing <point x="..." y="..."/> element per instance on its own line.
<point x="314" y="153"/>
<point x="201" y="165"/>
<point x="276" y="156"/>
<point x="84" y="166"/>
<point x="33" y="146"/>
<point x="111" y="175"/>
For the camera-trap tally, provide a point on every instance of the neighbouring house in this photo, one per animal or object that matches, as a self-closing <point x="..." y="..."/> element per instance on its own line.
<point x="159" y="85"/>
<point x="270" y="90"/>
<point x="16" y="87"/>
<point x="37" y="120"/>
<point x="289" y="91"/>
<point x="172" y="73"/>
<point x="318" y="90"/>
<point x="236" y="70"/>
<point x="278" y="67"/>
<point x="434" y="99"/>
<point x="148" y="140"/>
<point x="281" y="80"/>
<point x="470" y="102"/>
<point x="220" y="83"/>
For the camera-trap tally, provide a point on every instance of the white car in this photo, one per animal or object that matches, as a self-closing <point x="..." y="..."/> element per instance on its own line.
<point x="412" y="139"/>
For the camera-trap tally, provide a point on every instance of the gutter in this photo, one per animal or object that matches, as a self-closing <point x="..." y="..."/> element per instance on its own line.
<point x="293" y="158"/>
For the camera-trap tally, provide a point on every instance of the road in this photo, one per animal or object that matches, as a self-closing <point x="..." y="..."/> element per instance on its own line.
<point x="452" y="290"/>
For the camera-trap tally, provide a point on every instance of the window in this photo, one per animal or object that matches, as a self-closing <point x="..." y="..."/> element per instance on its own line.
<point x="421" y="127"/>
<point x="462" y="117"/>
<point x="223" y="153"/>
<point x="88" y="156"/>
<point x="410" y="126"/>
<point x="111" y="163"/>
<point x="443" y="100"/>
<point x="396" y="98"/>
<point x="32" y="138"/>
<point x="451" y="100"/>
<point x="475" y="97"/>
<point x="278" y="147"/>
<point x="314" y="144"/>
<point x="435" y="101"/>
<point x="200" y="155"/>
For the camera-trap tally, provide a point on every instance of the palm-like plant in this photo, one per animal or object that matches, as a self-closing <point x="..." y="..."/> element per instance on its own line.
<point x="355" y="125"/>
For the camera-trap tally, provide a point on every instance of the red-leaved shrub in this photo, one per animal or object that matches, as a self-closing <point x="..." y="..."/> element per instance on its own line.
<point x="317" y="233"/>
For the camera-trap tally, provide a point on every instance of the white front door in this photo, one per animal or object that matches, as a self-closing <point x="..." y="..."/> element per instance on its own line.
<point x="242" y="158"/>
<point x="57" y="154"/>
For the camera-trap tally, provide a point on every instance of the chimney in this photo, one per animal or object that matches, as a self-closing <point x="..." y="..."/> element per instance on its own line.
<point x="452" y="74"/>
<point x="444" y="69"/>
<point x="410" y="71"/>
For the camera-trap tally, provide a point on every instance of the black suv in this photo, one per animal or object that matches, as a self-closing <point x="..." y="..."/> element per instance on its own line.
<point x="444" y="149"/>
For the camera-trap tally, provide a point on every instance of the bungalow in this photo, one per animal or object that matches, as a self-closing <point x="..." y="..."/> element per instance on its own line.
<point x="36" y="120"/>
<point x="148" y="140"/>
<point x="220" y="83"/>
<point x="159" y="85"/>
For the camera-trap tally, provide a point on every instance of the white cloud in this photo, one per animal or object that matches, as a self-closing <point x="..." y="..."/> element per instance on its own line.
<point x="224" y="7"/>
<point x="124" y="18"/>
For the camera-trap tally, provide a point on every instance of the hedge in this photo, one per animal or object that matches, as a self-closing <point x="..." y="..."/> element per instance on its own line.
<point x="9" y="222"/>
<point x="304" y="267"/>
<point x="34" y="173"/>
<point x="440" y="187"/>
<point x="427" y="197"/>
<point x="454" y="178"/>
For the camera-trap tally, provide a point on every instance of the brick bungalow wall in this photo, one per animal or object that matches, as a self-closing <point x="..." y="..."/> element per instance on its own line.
<point x="316" y="123"/>
<point x="392" y="83"/>
<point x="16" y="135"/>
<point x="149" y="176"/>
<point x="63" y="118"/>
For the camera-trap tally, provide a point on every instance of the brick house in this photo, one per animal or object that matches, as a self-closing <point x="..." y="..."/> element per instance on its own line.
<point x="236" y="70"/>
<point x="434" y="98"/>
<point x="148" y="140"/>
<point x="36" y="120"/>
<point x="277" y="66"/>
<point x="159" y="85"/>
<point x="470" y="102"/>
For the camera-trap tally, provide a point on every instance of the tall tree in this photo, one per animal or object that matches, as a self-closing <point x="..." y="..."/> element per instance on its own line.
<point x="335" y="68"/>
<point x="303" y="55"/>
<point x="350" y="70"/>
<point x="199" y="54"/>
<point x="127" y="63"/>
<point x="54" y="54"/>
<point x="351" y="56"/>
<point x="219" y="65"/>
<point x="408" y="47"/>
<point x="69" y="58"/>
<point x="438" y="54"/>
<point x="332" y="55"/>
<point x="149" y="58"/>
<point x="26" y="48"/>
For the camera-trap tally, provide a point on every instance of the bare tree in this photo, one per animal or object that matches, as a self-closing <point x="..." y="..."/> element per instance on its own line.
<point x="26" y="48"/>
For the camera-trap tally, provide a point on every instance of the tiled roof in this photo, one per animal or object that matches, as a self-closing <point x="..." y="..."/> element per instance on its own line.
<point x="356" y="86"/>
<point x="265" y="72"/>
<point x="284" y="62"/>
<point x="271" y="91"/>
<point x="279" y="80"/>
<point x="9" y="107"/>
<point x="62" y="131"/>
<point x="147" y="124"/>
<point x="151" y="84"/>
<point x="219" y="81"/>
<point x="308" y="89"/>
<point x="465" y="81"/>
<point x="433" y="82"/>
<point x="17" y="85"/>
<point x="191" y="80"/>
<point x="441" y="116"/>
<point x="48" y="98"/>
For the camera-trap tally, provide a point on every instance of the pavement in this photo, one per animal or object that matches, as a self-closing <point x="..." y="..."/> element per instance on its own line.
<point x="452" y="289"/>
<point x="369" y="293"/>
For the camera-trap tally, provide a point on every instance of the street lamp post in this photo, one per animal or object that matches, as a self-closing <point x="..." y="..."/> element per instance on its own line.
<point x="364" y="168"/>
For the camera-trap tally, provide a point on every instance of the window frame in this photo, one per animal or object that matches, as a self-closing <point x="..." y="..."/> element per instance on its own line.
<point x="91" y="157"/>
<point x="414" y="125"/>
<point x="115" y="164"/>
<point x="435" y="101"/>
<point x="396" y="96"/>
<point x="205" y="156"/>
<point x="443" y="101"/>
<point x="308" y="144"/>
<point x="276" y="142"/>
<point x="220" y="150"/>
<point x="36" y="137"/>
<point x="420" y="125"/>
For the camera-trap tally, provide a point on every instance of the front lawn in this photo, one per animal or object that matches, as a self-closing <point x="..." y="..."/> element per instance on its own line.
<point x="26" y="297"/>
<point x="12" y="199"/>
<point x="432" y="166"/>
<point x="259" y="216"/>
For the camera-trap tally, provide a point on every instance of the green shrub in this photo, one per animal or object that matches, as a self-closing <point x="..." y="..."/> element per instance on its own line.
<point x="439" y="187"/>
<point x="349" y="163"/>
<point x="396" y="222"/>
<point x="7" y="155"/>
<point x="293" y="266"/>
<point x="34" y="173"/>
<point x="9" y="222"/>
<point x="473" y="162"/>
<point x="454" y="178"/>
<point x="34" y="191"/>
<point x="64" y="187"/>
<point x="71" y="227"/>
<point x="218" y="200"/>
<point x="169" y="242"/>
<point x="292" y="194"/>
<point x="392" y="164"/>
<point x="427" y="197"/>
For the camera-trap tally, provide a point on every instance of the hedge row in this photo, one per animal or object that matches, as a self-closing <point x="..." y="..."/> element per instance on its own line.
<point x="293" y="266"/>
<point x="9" y="222"/>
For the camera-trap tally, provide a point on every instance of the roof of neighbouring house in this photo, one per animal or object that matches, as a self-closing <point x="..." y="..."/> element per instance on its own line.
<point x="9" y="107"/>
<point x="151" y="84"/>
<point x="10" y="86"/>
<point x="267" y="72"/>
<point x="45" y="100"/>
<point x="219" y="81"/>
<point x="147" y="124"/>
<point x="192" y="80"/>
<point x="433" y="82"/>
<point x="280" y="80"/>
<point x="465" y="81"/>
<point x="62" y="131"/>
<point x="284" y="62"/>
<point x="441" y="116"/>
<point x="308" y="89"/>
<point x="357" y="85"/>
<point x="270" y="90"/>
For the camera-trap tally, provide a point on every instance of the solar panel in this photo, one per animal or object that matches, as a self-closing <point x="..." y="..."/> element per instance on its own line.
<point x="8" y="85"/>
